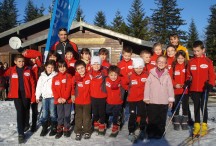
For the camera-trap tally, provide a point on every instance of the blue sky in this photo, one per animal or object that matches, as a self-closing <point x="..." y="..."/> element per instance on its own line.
<point x="196" y="9"/>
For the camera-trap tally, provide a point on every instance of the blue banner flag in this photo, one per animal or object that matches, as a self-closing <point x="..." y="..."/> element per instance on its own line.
<point x="62" y="16"/>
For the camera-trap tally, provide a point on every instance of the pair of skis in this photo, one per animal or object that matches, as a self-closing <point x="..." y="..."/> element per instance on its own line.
<point x="191" y="140"/>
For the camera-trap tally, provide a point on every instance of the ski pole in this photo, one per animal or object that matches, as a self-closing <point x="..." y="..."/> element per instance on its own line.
<point x="175" y="110"/>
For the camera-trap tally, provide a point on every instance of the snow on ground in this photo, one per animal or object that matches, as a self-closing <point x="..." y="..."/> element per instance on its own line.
<point x="8" y="133"/>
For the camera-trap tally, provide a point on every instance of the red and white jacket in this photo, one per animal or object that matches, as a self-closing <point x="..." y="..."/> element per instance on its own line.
<point x="97" y="86"/>
<point x="105" y="64"/>
<point x="61" y="87"/>
<point x="114" y="91"/>
<point x="154" y="59"/>
<point x="136" y="86"/>
<point x="126" y="68"/>
<point x="70" y="65"/>
<point x="81" y="89"/>
<point x="28" y="79"/>
<point x="178" y="75"/>
<point x="201" y="70"/>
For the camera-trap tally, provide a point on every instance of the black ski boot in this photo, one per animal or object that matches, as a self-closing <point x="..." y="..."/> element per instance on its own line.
<point x="53" y="128"/>
<point x="21" y="139"/>
<point x="184" y="123"/>
<point x="176" y="122"/>
<point x="67" y="132"/>
<point x="59" y="132"/>
<point x="45" y="129"/>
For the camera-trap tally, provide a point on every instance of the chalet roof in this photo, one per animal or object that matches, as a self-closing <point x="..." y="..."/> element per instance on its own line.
<point x="80" y="25"/>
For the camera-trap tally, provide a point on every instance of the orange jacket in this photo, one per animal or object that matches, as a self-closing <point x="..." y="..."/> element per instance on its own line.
<point x="28" y="79"/>
<point x="114" y="91"/>
<point x="201" y="70"/>
<point x="81" y="89"/>
<point x="61" y="87"/>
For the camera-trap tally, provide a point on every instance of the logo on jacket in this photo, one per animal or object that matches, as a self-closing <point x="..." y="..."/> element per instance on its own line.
<point x="108" y="84"/>
<point x="14" y="75"/>
<point x="134" y="82"/>
<point x="130" y="67"/>
<point x="57" y="83"/>
<point x="59" y="51"/>
<point x="184" y="70"/>
<point x="64" y="81"/>
<point x="27" y="74"/>
<point x="153" y="62"/>
<point x="193" y="67"/>
<point x="143" y="79"/>
<point x="203" y="66"/>
<point x="87" y="82"/>
<point x="80" y="85"/>
<point x="72" y="64"/>
<point x="177" y="73"/>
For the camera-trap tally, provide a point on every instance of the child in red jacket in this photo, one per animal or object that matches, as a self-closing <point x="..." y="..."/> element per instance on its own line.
<point x="157" y="51"/>
<point x="81" y="98"/>
<point x="70" y="61"/>
<point x="22" y="90"/>
<point x="104" y="53"/>
<point x="33" y="54"/>
<point x="114" y="97"/>
<point x="61" y="87"/>
<point x="146" y="56"/>
<point x="98" y="94"/>
<point x="178" y="75"/>
<point x="201" y="69"/>
<point x="135" y="98"/>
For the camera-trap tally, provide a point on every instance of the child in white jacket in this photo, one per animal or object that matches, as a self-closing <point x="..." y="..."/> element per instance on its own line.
<point x="44" y="90"/>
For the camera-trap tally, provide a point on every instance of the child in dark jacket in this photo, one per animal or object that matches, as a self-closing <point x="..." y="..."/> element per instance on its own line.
<point x="114" y="97"/>
<point x="61" y="87"/>
<point x="22" y="90"/>
<point x="81" y="98"/>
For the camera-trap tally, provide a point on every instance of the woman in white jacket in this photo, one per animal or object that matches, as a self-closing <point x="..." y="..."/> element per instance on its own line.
<point x="44" y="90"/>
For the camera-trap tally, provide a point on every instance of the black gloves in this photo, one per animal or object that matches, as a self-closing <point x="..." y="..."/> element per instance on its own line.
<point x="208" y="86"/>
<point x="187" y="83"/>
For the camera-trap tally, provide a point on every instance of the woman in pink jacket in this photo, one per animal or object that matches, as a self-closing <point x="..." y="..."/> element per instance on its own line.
<point x="159" y="95"/>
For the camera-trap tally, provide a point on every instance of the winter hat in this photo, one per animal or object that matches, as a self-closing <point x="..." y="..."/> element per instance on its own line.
<point x="138" y="63"/>
<point x="95" y="60"/>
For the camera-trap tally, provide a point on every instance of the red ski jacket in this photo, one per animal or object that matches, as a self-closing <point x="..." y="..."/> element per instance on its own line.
<point x="136" y="86"/>
<point x="70" y="65"/>
<point x="114" y="91"/>
<point x="81" y="89"/>
<point x="178" y="75"/>
<point x="154" y="59"/>
<point x="61" y="87"/>
<point x="148" y="67"/>
<point x="28" y="79"/>
<point x="105" y="64"/>
<point x="201" y="70"/>
<point x="126" y="68"/>
<point x="97" y="86"/>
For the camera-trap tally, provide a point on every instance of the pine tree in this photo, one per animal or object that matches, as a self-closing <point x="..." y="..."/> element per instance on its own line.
<point x="192" y="35"/>
<point x="79" y="15"/>
<point x="118" y="24"/>
<point x="8" y="15"/>
<point x="32" y="12"/>
<point x="100" y="19"/>
<point x="211" y="34"/>
<point x="137" y="21"/>
<point x="166" y="19"/>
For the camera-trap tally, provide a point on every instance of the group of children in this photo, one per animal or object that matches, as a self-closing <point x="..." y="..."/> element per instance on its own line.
<point x="149" y="85"/>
